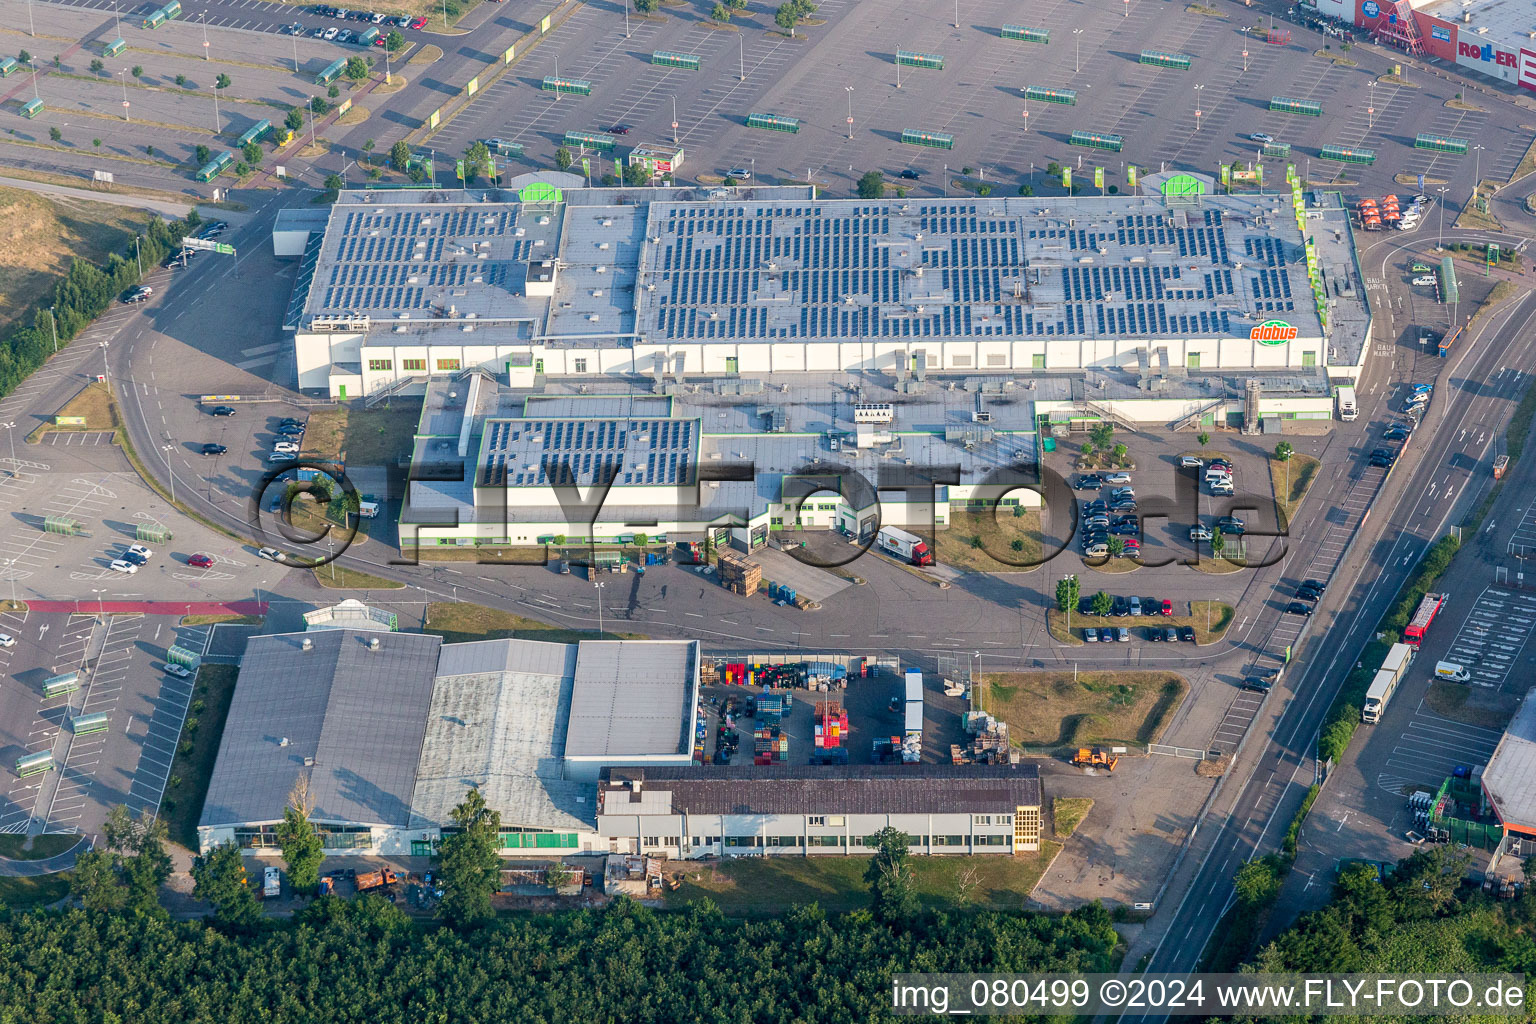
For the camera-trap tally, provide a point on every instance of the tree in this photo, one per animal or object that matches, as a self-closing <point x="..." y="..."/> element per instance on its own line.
<point x="1102" y="603"/>
<point x="394" y="42"/>
<point x="471" y="868"/>
<point x="563" y="158"/>
<point x="222" y="82"/>
<point x="1119" y="452"/>
<point x="334" y="183"/>
<point x="1102" y="434"/>
<point x="785" y="17"/>
<point x="318" y="106"/>
<point x="201" y="154"/>
<point x="1026" y="190"/>
<point x="1284" y="451"/>
<point x="889" y="876"/>
<point x="302" y="848"/>
<point x="97" y="65"/>
<point x="357" y="69"/>
<point x="1116" y="546"/>
<point x="720" y="13"/>
<point x="637" y="175"/>
<point x="334" y="91"/>
<point x="181" y="81"/>
<point x="137" y="72"/>
<point x="150" y="866"/>
<point x="295" y="119"/>
<point x="96" y="883"/>
<point x="647" y="6"/>
<point x="557" y="875"/>
<point x="399" y="155"/>
<point x="1068" y="591"/>
<point x="871" y="185"/>
<point x="477" y="160"/>
<point x="55" y="134"/>
<point x="1203" y="438"/>
<point x="24" y="57"/>
<point x="219" y="878"/>
<point x="96" y="143"/>
<point x="1256" y="884"/>
<point x="1218" y="541"/>
<point x="252" y="153"/>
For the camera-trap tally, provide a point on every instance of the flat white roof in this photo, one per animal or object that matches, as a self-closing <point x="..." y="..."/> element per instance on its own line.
<point x="1510" y="778"/>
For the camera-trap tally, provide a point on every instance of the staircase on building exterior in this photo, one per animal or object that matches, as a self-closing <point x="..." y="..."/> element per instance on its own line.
<point x="1194" y="419"/>
<point x="1107" y="412"/>
<point x="391" y="389"/>
<point x="1398" y="28"/>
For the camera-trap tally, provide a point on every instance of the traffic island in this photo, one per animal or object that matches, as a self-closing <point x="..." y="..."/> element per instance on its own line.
<point x="1209" y="620"/>
<point x="92" y="409"/>
<point x="1291" y="477"/>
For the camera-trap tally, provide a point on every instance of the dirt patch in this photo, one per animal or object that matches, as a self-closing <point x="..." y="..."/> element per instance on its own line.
<point x="1213" y="768"/>
<point x="366" y="437"/>
<point x="1342" y="62"/>
<point x="40" y="235"/>
<point x="396" y="82"/>
<point x="1046" y="711"/>
<point x="972" y="535"/>
<point x="1068" y="812"/>
<point x="1298" y="471"/>
<point x="1456" y="104"/>
<point x="1486" y="709"/>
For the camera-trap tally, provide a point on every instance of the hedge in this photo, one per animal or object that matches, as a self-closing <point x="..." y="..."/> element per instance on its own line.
<point x="1293" y="833"/>
<point x="79" y="297"/>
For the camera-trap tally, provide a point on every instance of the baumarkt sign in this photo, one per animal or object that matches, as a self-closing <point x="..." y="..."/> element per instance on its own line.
<point x="1273" y="332"/>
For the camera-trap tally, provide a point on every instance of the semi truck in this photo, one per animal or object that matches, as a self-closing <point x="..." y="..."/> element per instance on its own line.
<point x="1384" y="685"/>
<point x="1425" y="614"/>
<point x="271" y="884"/>
<point x="1348" y="410"/>
<point x="904" y="545"/>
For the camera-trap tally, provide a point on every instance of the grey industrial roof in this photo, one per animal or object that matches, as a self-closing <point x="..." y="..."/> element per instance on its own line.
<point x="633" y="698"/>
<point x="629" y="406"/>
<point x="1506" y="22"/>
<point x="852" y="789"/>
<point x="1510" y="778"/>
<point x="498" y="723"/>
<point x="521" y="453"/>
<point x="359" y="713"/>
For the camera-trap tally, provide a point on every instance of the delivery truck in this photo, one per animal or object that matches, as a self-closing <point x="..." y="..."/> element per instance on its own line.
<point x="904" y="545"/>
<point x="271" y="884"/>
<point x="1452" y="671"/>
<point x="1348" y="410"/>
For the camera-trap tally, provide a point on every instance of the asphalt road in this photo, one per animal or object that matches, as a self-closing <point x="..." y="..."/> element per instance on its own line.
<point x="1278" y="779"/>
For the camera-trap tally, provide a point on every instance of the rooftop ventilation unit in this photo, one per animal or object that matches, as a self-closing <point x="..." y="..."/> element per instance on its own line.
<point x="306" y="644"/>
<point x="373" y="643"/>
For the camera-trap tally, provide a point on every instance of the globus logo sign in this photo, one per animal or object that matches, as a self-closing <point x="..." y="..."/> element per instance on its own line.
<point x="1272" y="332"/>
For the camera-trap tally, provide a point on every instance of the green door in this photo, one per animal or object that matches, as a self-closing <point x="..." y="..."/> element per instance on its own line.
<point x="538" y="366"/>
<point x="730" y="364"/>
<point x="341" y="391"/>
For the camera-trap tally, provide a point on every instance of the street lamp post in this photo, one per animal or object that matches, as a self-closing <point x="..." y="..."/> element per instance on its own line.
<point x="1198" y="88"/>
<point x="54" y="325"/>
<point x="1477" y="172"/>
<point x="1077" y="43"/>
<point x="106" y="371"/>
<point x="170" y="471"/>
<point x="31" y="27"/>
<point x="10" y="570"/>
<point x="741" y="50"/>
<point x="674" y="121"/>
<point x="123" y="77"/>
<point x="203" y="17"/>
<point x="626" y="21"/>
<point x="849" y="88"/>
<point x="217" y="125"/>
<point x="957" y="13"/>
<point x="598" y="586"/>
<point x="101" y="603"/>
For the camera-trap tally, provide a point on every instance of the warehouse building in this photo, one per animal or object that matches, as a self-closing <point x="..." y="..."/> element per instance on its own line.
<point x="675" y="284"/>
<point x="388" y="731"/>
<point x="1488" y="37"/>
<point x="820" y="810"/>
<point x="1509" y="780"/>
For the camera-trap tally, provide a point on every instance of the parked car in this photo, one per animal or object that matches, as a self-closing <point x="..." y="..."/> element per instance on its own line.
<point x="1187" y="634"/>
<point x="1231" y="524"/>
<point x="1118" y="478"/>
<point x="272" y="555"/>
<point x="331" y="33"/>
<point x="1424" y="280"/>
<point x="1416" y="404"/>
<point x="179" y="671"/>
<point x="1170" y="635"/>
<point x="1256" y="684"/>
<point x="1190" y="461"/>
<point x="1423" y="389"/>
<point x="1120" y="606"/>
<point x="1122" y="492"/>
<point x="291" y="430"/>
<point x="1199" y="533"/>
<point x="1124" y="506"/>
<point x="618" y="129"/>
<point x="1089" y="482"/>
<point x="1091" y="508"/>
<point x="276" y="457"/>
<point x="1318" y="585"/>
<point x="222" y="410"/>
<point x="318" y="32"/>
<point x="141" y="551"/>
<point x="1132" y="546"/>
<point x="200" y="561"/>
<point x="138" y="294"/>
<point x="1135" y="606"/>
<point x="739" y="173"/>
<point x="1090" y="635"/>
<point x="1384" y="453"/>
<point x="118" y="565"/>
<point x="1396" y="432"/>
<point x="1221" y="464"/>
<point x="285" y="446"/>
<point x="418" y="22"/>
<point x="1167" y="607"/>
<point x="1298" y="608"/>
<point x="6" y="640"/>
<point x="910" y="174"/>
<point x="1122" y="635"/>
<point x="129" y="556"/>
<point x="214" y="449"/>
<point x="1155" y="634"/>
<point x="1119" y="529"/>
<point x="1303" y="594"/>
<point x="1263" y="137"/>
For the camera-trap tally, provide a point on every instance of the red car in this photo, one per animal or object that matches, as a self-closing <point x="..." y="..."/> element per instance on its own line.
<point x="379" y="41"/>
<point x="200" y="561"/>
<point x="1132" y="544"/>
<point x="418" y="23"/>
<point x="1167" y="607"/>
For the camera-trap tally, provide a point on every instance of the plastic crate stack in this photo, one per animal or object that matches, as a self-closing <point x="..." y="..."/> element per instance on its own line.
<point x="770" y="745"/>
<point x="772" y="708"/>
<point x="831" y="733"/>
<point x="738" y="575"/>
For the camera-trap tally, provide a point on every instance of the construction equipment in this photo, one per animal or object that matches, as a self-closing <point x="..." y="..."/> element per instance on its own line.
<point x="1095" y="757"/>
<point x="376" y="879"/>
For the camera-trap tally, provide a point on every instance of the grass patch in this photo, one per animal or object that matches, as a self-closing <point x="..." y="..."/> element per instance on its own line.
<point x="1456" y="104"/>
<point x="1302" y="470"/>
<point x="1046" y="711"/>
<point x="338" y="577"/>
<point x="428" y="54"/>
<point x="1210" y="620"/>
<point x="1016" y="537"/>
<point x="354" y="115"/>
<point x="1402" y="83"/>
<point x="367" y="437"/>
<point x="1116" y="565"/>
<point x="1454" y="701"/>
<point x="1068" y="812"/>
<point x="459" y="623"/>
<point x="1470" y="218"/>
<point x="1519" y="430"/>
<point x="94" y="403"/>
<point x="1527" y="163"/>
<point x="195" y="752"/>
<point x="44" y="234"/>
<point x="483" y="555"/>
<point x="36" y="891"/>
<point x="224" y="618"/>
<point x="1342" y="62"/>
<point x="766" y="885"/>
<point x="1413" y="179"/>
<point x="15" y="847"/>
<point x="1218" y="566"/>
<point x="1209" y="12"/>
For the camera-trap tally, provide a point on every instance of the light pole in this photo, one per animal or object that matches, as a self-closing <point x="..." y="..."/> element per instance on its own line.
<point x="54" y="324"/>
<point x="598" y="586"/>
<point x="898" y="71"/>
<point x="123" y="77"/>
<point x="217" y="126"/>
<point x="296" y="55"/>
<point x="1077" y="43"/>
<point x="170" y="472"/>
<point x="387" y="76"/>
<point x="1370" y="110"/>
<point x="674" y="120"/>
<point x="1477" y="173"/>
<point x="101" y="603"/>
<point x="10" y="570"/>
<point x="1440" y="242"/>
<point x="1127" y="8"/>
<point x="626" y="21"/>
<point x="1197" y="106"/>
<point x="106" y="371"/>
<point x="849" y="88"/>
<point x="203" y="17"/>
<point x="138" y="256"/>
<point x="741" y="48"/>
<point x="32" y="28"/>
<point x="957" y="13"/>
<point x="10" y="432"/>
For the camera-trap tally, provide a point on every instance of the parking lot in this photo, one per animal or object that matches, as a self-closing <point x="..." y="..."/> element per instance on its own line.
<point x="1490" y="639"/>
<point x="1522" y="543"/>
<point x="1429" y="747"/>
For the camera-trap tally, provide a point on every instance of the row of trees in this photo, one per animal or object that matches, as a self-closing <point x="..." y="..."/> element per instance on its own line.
<point x="787" y="16"/>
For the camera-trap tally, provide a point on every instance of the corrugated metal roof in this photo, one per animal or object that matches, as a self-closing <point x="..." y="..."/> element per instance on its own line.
<point x="854" y="789"/>
<point x="633" y="698"/>
<point x="359" y="713"/>
<point x="1510" y="778"/>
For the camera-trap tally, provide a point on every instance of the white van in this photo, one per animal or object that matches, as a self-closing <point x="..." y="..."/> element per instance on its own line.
<point x="1452" y="671"/>
<point x="1096" y="551"/>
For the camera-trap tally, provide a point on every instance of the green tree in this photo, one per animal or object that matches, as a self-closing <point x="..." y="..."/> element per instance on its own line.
<point x="150" y="866"/>
<point x="252" y="153"/>
<point x="223" y="81"/>
<point x="720" y="13"/>
<point x="787" y="17"/>
<point x="303" y="850"/>
<point x="417" y="173"/>
<point x="1119" y="452"/>
<point x="1026" y="190"/>
<point x="871" y="185"/>
<point x="1102" y="434"/>
<point x="637" y="175"/>
<point x="477" y="160"/>
<point x="295" y="119"/>
<point x="394" y="42"/>
<point x="1102" y="603"/>
<point x="96" y="143"/>
<point x="24" y="57"/>
<point x="1203" y="438"/>
<point x="557" y="875"/>
<point x="201" y="154"/>
<point x="647" y="6"/>
<point x="357" y="69"/>
<point x="1068" y="591"/>
<point x="318" y="106"/>
<point x="1256" y="884"/>
<point x="563" y="158"/>
<point x="55" y="134"/>
<point x="181" y="81"/>
<point x="240" y="170"/>
<point x="334" y="183"/>
<point x="471" y="869"/>
<point x="219" y="878"/>
<point x="1116" y="546"/>
<point x="984" y="190"/>
<point x="97" y="65"/>
<point x="137" y="72"/>
<point x="96" y="883"/>
<point x="1284" y="451"/>
<point x="334" y="91"/>
<point x="399" y="155"/>
<point x="1218" y="540"/>
<point x="368" y="150"/>
<point x="891" y="884"/>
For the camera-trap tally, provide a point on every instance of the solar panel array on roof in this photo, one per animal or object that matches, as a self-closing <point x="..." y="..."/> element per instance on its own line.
<point x="551" y="452"/>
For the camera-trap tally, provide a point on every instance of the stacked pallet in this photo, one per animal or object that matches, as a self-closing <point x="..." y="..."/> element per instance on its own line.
<point x="770" y="746"/>
<point x="738" y="575"/>
<point x="831" y="724"/>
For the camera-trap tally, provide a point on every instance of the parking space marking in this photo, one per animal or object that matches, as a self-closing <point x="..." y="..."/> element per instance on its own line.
<point x="1492" y="636"/>
<point x="1430" y="747"/>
